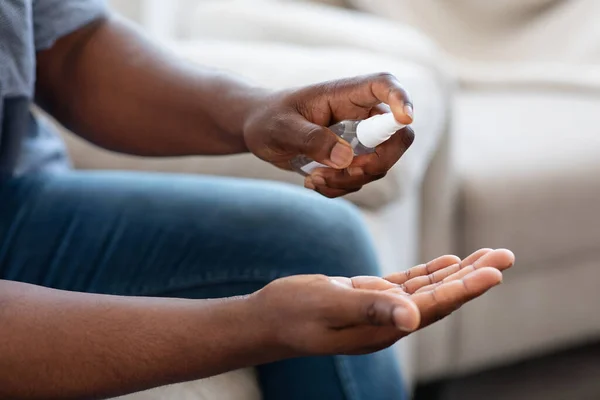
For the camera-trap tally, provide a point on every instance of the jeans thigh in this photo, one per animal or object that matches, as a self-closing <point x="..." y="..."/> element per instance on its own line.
<point x="173" y="235"/>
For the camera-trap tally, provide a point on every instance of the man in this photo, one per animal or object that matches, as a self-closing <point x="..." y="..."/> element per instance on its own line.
<point x="75" y="247"/>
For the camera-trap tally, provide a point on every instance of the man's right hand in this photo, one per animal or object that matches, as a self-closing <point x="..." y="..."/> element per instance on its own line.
<point x="316" y="315"/>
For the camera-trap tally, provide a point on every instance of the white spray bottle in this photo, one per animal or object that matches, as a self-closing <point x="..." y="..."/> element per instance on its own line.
<point x="363" y="136"/>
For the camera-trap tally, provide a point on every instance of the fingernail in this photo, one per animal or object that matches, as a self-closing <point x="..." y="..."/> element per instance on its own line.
<point x="408" y="110"/>
<point x="355" y="171"/>
<point x="318" y="180"/>
<point x="341" y="155"/>
<point x="308" y="183"/>
<point x="403" y="318"/>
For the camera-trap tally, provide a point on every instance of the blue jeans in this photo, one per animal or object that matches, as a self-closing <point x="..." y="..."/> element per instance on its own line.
<point x="193" y="237"/>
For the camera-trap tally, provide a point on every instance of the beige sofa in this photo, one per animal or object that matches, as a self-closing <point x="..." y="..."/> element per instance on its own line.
<point x="281" y="45"/>
<point x="518" y="169"/>
<point x="526" y="152"/>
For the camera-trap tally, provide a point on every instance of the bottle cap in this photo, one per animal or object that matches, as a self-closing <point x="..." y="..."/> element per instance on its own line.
<point x="375" y="130"/>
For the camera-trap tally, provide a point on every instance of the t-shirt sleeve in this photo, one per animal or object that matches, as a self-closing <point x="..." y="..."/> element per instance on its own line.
<point x="53" y="19"/>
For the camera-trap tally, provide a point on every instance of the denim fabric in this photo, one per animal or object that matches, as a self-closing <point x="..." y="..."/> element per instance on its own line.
<point x="193" y="237"/>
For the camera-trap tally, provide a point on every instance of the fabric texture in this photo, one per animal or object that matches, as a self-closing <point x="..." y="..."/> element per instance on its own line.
<point x="531" y="186"/>
<point x="207" y="238"/>
<point x="25" y="28"/>
<point x="53" y="19"/>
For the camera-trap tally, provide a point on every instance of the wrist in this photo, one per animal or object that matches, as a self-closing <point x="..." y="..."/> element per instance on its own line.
<point x="272" y="326"/>
<point x="244" y="102"/>
<point x="251" y="326"/>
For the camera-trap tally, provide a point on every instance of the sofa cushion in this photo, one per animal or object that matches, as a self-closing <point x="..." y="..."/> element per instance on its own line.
<point x="310" y="24"/>
<point x="529" y="167"/>
<point x="235" y="385"/>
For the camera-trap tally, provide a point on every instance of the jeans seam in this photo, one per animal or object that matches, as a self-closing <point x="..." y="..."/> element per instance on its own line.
<point x="345" y="377"/>
<point x="203" y="281"/>
<point x="6" y="244"/>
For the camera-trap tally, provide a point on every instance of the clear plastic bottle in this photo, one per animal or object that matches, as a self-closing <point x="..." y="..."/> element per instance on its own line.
<point x="363" y="135"/>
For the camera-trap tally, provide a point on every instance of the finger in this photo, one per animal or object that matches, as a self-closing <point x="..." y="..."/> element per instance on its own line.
<point x="386" y="154"/>
<point x="342" y="281"/>
<point x="384" y="88"/>
<point x="380" y="109"/>
<point x="327" y="191"/>
<point x="446" y="271"/>
<point x="345" y="179"/>
<point x="414" y="284"/>
<point x="475" y="256"/>
<point x="371" y="283"/>
<point x="501" y="259"/>
<point x="366" y="168"/>
<point x="423" y="269"/>
<point x="444" y="299"/>
<point x="363" y="282"/>
<point x="315" y="141"/>
<point x="443" y="274"/>
<point x="376" y="308"/>
<point x="461" y="273"/>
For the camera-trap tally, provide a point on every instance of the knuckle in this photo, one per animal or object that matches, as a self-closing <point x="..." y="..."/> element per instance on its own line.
<point x="371" y="313"/>
<point x="276" y="124"/>
<point x="385" y="77"/>
<point x="431" y="278"/>
<point x="379" y="169"/>
<point x="378" y="315"/>
<point x="312" y="139"/>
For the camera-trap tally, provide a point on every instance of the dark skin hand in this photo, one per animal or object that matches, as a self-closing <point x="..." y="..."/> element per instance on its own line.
<point x="64" y="345"/>
<point x="141" y="100"/>
<point x="294" y="122"/>
<point x="107" y="83"/>
<point x="403" y="303"/>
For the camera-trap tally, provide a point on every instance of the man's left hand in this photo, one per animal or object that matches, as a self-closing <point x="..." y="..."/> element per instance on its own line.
<point x="294" y="122"/>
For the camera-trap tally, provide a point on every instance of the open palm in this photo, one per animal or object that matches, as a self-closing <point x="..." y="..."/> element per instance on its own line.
<point x="316" y="314"/>
<point x="442" y="285"/>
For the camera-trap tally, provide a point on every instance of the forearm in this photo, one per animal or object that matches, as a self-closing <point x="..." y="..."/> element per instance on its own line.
<point x="64" y="345"/>
<point x="109" y="84"/>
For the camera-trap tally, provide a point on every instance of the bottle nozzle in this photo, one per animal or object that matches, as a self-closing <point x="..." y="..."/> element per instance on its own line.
<point x="375" y="130"/>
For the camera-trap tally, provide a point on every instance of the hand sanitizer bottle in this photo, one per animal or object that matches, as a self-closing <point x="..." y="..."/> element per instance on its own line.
<point x="363" y="136"/>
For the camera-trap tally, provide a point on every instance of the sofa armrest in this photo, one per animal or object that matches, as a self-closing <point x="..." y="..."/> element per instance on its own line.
<point x="310" y="24"/>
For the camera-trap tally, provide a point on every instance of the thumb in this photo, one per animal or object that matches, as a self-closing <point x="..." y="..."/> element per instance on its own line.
<point x="379" y="308"/>
<point x="318" y="143"/>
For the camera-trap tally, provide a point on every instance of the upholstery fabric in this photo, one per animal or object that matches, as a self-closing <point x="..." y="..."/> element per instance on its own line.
<point x="564" y="31"/>
<point x="531" y="185"/>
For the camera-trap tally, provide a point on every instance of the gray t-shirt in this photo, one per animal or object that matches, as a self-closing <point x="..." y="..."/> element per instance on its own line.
<point x="28" y="26"/>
